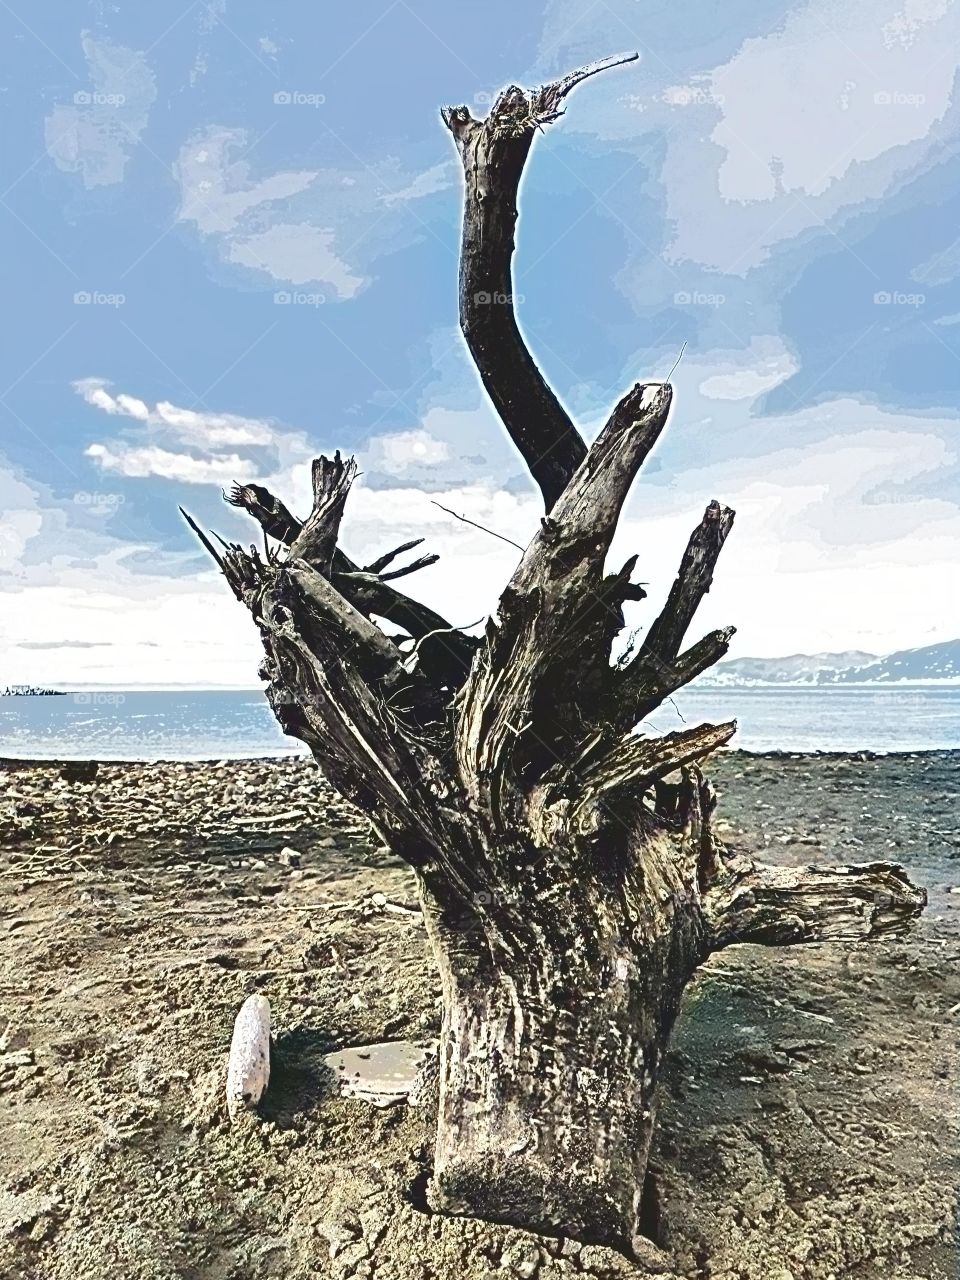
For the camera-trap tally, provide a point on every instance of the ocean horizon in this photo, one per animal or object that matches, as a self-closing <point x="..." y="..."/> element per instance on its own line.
<point x="215" y="724"/>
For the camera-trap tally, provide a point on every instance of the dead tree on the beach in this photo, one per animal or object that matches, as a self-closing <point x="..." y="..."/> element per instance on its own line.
<point x="569" y="868"/>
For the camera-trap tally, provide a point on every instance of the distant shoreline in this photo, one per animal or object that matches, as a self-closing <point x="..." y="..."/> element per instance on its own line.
<point x="711" y="686"/>
<point x="951" y="682"/>
<point x="53" y="762"/>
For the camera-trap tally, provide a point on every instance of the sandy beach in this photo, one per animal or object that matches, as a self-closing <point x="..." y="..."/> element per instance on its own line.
<point x="808" y="1114"/>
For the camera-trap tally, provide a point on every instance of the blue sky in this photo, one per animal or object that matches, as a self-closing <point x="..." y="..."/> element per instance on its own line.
<point x="230" y="242"/>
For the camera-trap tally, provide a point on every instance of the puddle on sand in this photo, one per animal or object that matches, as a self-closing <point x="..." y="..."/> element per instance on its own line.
<point x="380" y="1074"/>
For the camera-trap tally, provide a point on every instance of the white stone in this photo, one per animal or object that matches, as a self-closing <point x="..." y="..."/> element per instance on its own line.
<point x="248" y="1071"/>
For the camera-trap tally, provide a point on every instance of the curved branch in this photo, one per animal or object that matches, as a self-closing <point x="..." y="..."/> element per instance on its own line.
<point x="493" y="152"/>
<point x="269" y="512"/>
<point x="422" y="562"/>
<point x="549" y="97"/>
<point x="659" y="668"/>
<point x="444" y="653"/>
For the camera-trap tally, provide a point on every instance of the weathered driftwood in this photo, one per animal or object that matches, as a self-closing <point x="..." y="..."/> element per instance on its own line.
<point x="248" y="1068"/>
<point x="569" y="871"/>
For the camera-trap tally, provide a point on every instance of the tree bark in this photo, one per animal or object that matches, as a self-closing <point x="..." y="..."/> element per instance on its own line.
<point x="570" y="875"/>
<point x="551" y="1049"/>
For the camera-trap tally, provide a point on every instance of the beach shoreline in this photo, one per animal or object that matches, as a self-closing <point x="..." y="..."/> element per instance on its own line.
<point x="808" y="1105"/>
<point x="53" y="761"/>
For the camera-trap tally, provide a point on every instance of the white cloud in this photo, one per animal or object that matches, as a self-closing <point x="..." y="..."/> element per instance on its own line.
<point x="91" y="614"/>
<point x="128" y="629"/>
<point x="821" y="115"/>
<point x="211" y="428"/>
<point x="838" y="106"/>
<point x="942" y="267"/>
<point x="203" y="432"/>
<point x="856" y="94"/>
<point x="97" y="134"/>
<point x="300" y="226"/>
<point x="835" y="542"/>
<point x="397" y="454"/>
<point x="769" y="364"/>
<point x="216" y="191"/>
<point x="198" y="427"/>
<point x="844" y="534"/>
<point x="905" y="26"/>
<point x="448" y="447"/>
<point x="473" y="568"/>
<point x="132" y="407"/>
<point x="150" y="460"/>
<point x="298" y="253"/>
<point x="437" y="178"/>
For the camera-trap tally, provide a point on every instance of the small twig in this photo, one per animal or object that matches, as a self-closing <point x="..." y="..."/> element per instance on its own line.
<point x="482" y="527"/>
<point x="438" y="631"/>
<point x="202" y="536"/>
<point x="676" y="362"/>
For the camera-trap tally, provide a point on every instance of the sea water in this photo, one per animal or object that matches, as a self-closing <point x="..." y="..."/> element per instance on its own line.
<point x="216" y="724"/>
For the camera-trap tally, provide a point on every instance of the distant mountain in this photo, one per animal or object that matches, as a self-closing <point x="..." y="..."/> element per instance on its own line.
<point x="939" y="662"/>
<point x="799" y="668"/>
<point x="933" y="662"/>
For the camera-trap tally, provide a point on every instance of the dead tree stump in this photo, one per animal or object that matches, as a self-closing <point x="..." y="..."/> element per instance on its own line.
<point x="569" y="872"/>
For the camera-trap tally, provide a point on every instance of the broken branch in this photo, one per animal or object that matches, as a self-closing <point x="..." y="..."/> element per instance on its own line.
<point x="779" y="906"/>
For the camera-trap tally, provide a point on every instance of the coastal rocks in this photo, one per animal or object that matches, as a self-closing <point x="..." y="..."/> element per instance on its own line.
<point x="30" y="691"/>
<point x="79" y="770"/>
<point x="240" y="814"/>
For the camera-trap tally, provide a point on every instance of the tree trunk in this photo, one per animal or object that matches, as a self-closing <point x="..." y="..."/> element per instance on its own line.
<point x="546" y="1105"/>
<point x="570" y="876"/>
<point x="551" y="1049"/>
